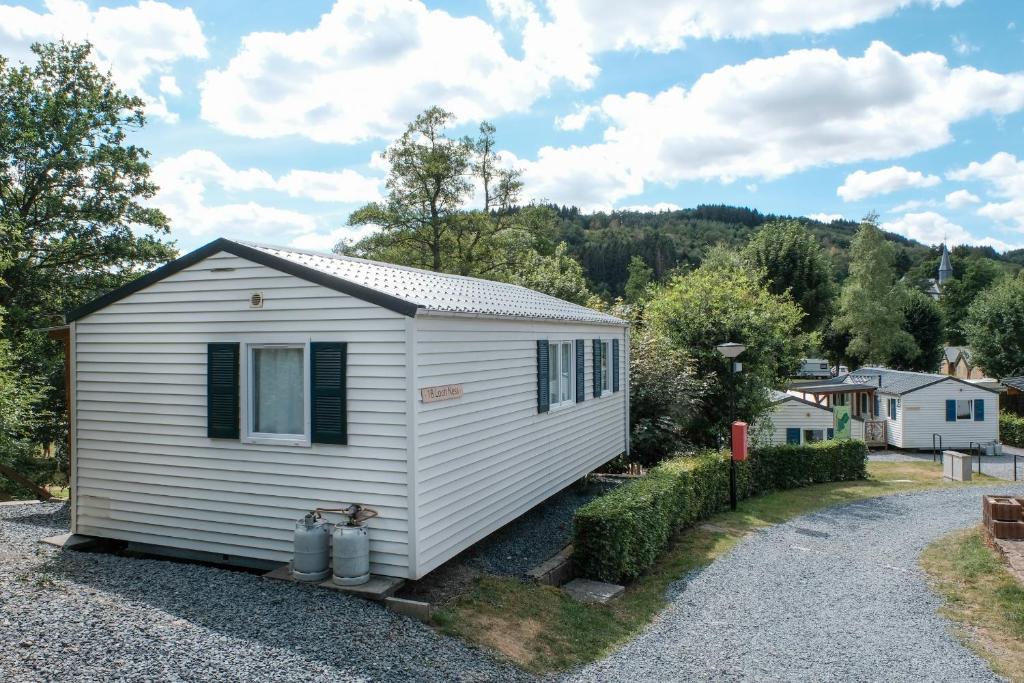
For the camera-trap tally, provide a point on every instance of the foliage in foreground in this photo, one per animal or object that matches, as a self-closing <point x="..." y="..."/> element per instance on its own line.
<point x="995" y="328"/>
<point x="621" y="534"/>
<point x="725" y="301"/>
<point x="1011" y="429"/>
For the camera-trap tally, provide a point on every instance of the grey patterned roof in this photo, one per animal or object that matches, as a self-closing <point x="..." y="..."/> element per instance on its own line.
<point x="441" y="292"/>
<point x="1014" y="382"/>
<point x="899" y="381"/>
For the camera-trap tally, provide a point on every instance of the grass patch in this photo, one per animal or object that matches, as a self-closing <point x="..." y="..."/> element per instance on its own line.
<point x="541" y="629"/>
<point x="982" y="597"/>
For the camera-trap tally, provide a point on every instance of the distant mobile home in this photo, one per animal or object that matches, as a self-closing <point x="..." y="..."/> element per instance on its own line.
<point x="223" y="395"/>
<point x="913" y="409"/>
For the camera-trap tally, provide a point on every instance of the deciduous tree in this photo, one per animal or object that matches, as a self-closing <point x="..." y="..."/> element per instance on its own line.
<point x="995" y="328"/>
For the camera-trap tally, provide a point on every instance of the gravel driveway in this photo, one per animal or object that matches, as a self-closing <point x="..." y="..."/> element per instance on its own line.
<point x="95" y="617"/>
<point x="832" y="596"/>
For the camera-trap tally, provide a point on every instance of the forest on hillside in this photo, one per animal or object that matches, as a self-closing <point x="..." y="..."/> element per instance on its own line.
<point x="671" y="241"/>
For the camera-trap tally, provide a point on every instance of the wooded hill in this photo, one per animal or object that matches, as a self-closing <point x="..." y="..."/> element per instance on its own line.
<point x="670" y="240"/>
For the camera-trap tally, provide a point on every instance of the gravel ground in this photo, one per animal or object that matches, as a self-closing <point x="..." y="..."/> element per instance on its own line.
<point x="536" y="536"/>
<point x="96" y="617"/>
<point x="999" y="466"/>
<point x="832" y="596"/>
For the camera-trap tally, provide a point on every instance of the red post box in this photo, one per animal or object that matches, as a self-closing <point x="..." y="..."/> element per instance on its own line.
<point x="739" y="441"/>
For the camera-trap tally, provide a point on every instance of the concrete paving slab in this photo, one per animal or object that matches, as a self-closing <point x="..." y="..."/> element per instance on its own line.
<point x="409" y="608"/>
<point x="377" y="588"/>
<point x="68" y="541"/>
<point x="599" y="592"/>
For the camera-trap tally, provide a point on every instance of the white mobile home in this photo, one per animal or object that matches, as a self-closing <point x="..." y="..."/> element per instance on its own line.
<point x="914" y="409"/>
<point x="220" y="397"/>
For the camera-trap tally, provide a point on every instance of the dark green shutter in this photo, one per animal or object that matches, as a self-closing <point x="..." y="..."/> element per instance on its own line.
<point x="581" y="372"/>
<point x="597" y="367"/>
<point x="222" y="390"/>
<point x="615" y="364"/>
<point x="328" y="414"/>
<point x="543" y="385"/>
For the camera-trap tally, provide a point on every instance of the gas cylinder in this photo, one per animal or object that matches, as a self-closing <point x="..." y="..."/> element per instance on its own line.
<point x="311" y="561"/>
<point x="351" y="554"/>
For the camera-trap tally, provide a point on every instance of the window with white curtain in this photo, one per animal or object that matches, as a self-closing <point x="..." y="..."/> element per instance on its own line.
<point x="606" y="366"/>
<point x="277" y="406"/>
<point x="561" y="373"/>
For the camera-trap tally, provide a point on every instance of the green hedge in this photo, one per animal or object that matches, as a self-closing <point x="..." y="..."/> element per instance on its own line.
<point x="1011" y="429"/>
<point x="621" y="534"/>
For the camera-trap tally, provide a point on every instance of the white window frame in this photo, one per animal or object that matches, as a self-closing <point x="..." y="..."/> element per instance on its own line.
<point x="803" y="435"/>
<point x="970" y="409"/>
<point x="247" y="412"/>
<point x="606" y="367"/>
<point x="555" y="360"/>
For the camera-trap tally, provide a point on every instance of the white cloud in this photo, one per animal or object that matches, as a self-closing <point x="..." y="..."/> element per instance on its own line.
<point x="325" y="241"/>
<point x="930" y="227"/>
<point x="169" y="86"/>
<point x="578" y="119"/>
<point x="958" y="199"/>
<point x="767" y="118"/>
<point x="185" y="180"/>
<point x="861" y="184"/>
<point x="826" y="217"/>
<point x="1005" y="174"/>
<point x="911" y="205"/>
<point x="370" y="66"/>
<point x="134" y="41"/>
<point x="663" y="25"/>
<point x="962" y="46"/>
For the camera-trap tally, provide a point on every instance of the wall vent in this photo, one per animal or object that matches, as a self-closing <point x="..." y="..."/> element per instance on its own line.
<point x="256" y="300"/>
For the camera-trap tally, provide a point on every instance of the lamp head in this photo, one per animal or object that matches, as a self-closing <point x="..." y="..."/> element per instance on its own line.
<point x="730" y="349"/>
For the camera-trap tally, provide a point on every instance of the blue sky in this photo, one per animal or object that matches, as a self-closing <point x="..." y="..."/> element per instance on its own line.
<point x="266" y="120"/>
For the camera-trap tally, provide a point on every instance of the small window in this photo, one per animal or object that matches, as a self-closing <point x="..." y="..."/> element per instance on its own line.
<point x="606" y="365"/>
<point x="892" y="408"/>
<point x="277" y="400"/>
<point x="813" y="435"/>
<point x="561" y="373"/>
<point x="863" y="403"/>
<point x="839" y="400"/>
<point x="964" y="410"/>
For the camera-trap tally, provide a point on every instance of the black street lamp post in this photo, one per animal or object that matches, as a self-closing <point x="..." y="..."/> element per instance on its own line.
<point x="730" y="351"/>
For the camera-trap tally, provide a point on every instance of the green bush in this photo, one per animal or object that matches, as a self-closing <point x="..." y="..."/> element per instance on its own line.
<point x="621" y="534"/>
<point x="1011" y="429"/>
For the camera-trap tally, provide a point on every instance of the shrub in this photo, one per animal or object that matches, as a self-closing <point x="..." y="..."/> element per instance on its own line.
<point x="621" y="534"/>
<point x="1011" y="429"/>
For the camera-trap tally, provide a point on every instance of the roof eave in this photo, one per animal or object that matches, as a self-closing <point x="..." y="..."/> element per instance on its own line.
<point x="436" y="313"/>
<point x="337" y="284"/>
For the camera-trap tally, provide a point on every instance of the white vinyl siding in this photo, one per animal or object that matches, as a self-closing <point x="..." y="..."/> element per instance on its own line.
<point x="145" y="469"/>
<point x="893" y="424"/>
<point x="486" y="458"/>
<point x="794" y="414"/>
<point x="923" y="413"/>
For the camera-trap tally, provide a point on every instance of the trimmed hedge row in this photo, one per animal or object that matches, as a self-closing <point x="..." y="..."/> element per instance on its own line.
<point x="1011" y="429"/>
<point x="621" y="534"/>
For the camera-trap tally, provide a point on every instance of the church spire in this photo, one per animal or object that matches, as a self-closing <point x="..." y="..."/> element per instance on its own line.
<point x="945" y="268"/>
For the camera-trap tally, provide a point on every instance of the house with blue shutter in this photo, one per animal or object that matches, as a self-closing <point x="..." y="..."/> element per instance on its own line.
<point x="912" y="410"/>
<point x="217" y="399"/>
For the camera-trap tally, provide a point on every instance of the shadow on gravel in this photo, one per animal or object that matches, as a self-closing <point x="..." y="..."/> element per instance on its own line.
<point x="348" y="634"/>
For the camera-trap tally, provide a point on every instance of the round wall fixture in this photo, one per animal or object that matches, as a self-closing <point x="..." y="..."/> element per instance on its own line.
<point x="256" y="300"/>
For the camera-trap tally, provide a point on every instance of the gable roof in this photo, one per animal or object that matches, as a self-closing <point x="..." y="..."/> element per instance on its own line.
<point x="398" y="288"/>
<point x="901" y="382"/>
<point x="781" y="397"/>
<point x="952" y="353"/>
<point x="1014" y="382"/>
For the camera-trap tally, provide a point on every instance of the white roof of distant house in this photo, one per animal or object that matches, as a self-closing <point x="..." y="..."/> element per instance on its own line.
<point x="400" y="288"/>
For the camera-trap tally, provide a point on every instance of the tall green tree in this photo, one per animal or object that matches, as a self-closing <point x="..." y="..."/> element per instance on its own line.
<point x="453" y="207"/>
<point x="793" y="261"/>
<point x="994" y="328"/>
<point x="922" y="319"/>
<point x="725" y="301"/>
<point x="972" y="274"/>
<point x="872" y="303"/>
<point x="639" y="279"/>
<point x="73" y="215"/>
